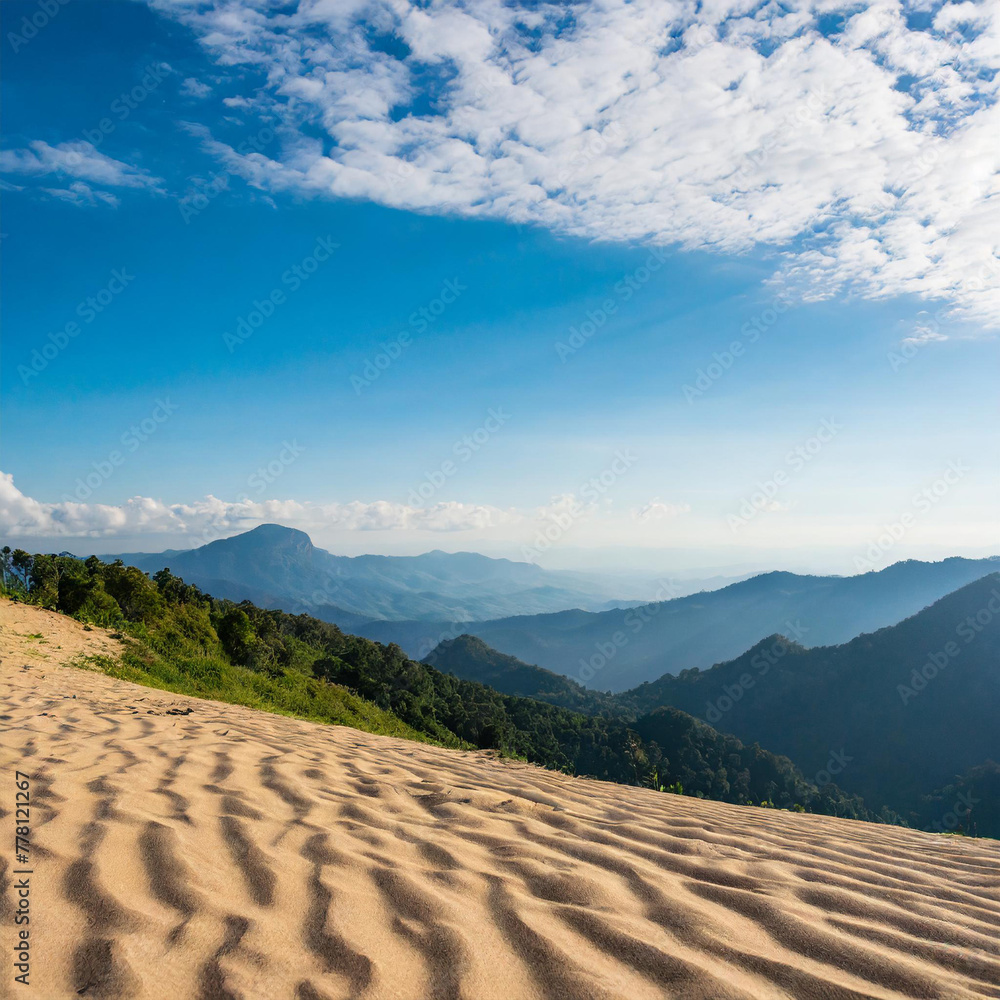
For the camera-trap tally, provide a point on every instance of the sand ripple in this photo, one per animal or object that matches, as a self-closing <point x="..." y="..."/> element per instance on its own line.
<point x="228" y="854"/>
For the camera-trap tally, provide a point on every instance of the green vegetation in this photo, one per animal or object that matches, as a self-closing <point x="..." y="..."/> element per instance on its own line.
<point x="700" y="761"/>
<point x="893" y="714"/>
<point x="967" y="806"/>
<point x="173" y="641"/>
<point x="472" y="659"/>
<point x="905" y="709"/>
<point x="182" y="640"/>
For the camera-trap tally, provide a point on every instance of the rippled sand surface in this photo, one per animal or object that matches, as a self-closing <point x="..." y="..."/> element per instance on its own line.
<point x="226" y="853"/>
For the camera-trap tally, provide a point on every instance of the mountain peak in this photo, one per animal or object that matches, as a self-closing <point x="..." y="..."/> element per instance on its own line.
<point x="272" y="534"/>
<point x="775" y="645"/>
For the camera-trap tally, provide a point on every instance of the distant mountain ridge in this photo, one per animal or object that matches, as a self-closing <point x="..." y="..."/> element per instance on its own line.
<point x="619" y="649"/>
<point x="912" y="706"/>
<point x="275" y="566"/>
<point x="905" y="716"/>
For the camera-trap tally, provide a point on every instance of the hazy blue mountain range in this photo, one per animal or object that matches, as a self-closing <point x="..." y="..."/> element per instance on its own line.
<point x="279" y="567"/>
<point x="913" y="706"/>
<point x="905" y="716"/>
<point x="618" y="649"/>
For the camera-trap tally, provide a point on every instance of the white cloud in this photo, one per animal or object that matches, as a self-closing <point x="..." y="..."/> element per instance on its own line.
<point x="698" y="539"/>
<point x="80" y="160"/>
<point x="657" y="509"/>
<point x="79" y="193"/>
<point x="775" y="506"/>
<point x="923" y="335"/>
<point x="24" y="517"/>
<point x="193" y="87"/>
<point x="868" y="158"/>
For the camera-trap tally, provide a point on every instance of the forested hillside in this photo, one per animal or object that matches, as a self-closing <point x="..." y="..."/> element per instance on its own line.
<point x="912" y="706"/>
<point x="184" y="640"/>
<point x="905" y="716"/>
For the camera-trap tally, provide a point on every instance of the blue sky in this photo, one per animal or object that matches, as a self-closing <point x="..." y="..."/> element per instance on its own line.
<point x="899" y="358"/>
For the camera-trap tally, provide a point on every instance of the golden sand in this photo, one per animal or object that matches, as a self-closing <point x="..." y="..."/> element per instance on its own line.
<point x="227" y="853"/>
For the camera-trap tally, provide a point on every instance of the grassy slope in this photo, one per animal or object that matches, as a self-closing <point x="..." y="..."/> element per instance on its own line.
<point x="165" y="663"/>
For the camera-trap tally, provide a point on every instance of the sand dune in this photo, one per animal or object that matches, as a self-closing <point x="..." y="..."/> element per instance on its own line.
<point x="224" y="853"/>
